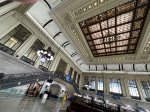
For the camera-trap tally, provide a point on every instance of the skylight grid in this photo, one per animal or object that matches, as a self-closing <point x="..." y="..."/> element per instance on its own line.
<point x="117" y="30"/>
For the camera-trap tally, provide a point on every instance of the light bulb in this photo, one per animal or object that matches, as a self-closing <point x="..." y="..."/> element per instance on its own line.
<point x="51" y="58"/>
<point x="45" y="52"/>
<point x="38" y="52"/>
<point x="49" y="54"/>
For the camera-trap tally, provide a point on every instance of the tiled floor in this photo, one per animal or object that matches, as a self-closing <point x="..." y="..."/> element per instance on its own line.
<point x="29" y="104"/>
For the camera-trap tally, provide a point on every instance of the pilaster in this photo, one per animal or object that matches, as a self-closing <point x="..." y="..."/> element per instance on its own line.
<point x="55" y="62"/>
<point x="140" y="90"/>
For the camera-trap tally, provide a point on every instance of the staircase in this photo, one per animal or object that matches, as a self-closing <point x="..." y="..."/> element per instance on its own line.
<point x="13" y="80"/>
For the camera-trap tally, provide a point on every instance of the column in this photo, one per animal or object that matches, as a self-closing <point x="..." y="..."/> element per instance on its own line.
<point x="72" y="74"/>
<point x="55" y="63"/>
<point x="106" y="85"/>
<point x="81" y="81"/>
<point x="140" y="90"/>
<point x="76" y="78"/>
<point x="126" y="88"/>
<point x="123" y="87"/>
<point x="96" y="83"/>
<point x="25" y="46"/>
<point x="67" y="69"/>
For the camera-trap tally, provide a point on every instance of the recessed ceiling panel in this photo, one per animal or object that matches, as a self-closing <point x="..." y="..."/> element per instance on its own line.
<point x="116" y="31"/>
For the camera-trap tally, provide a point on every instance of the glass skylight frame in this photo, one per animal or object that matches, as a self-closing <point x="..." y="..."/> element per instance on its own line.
<point x="122" y="24"/>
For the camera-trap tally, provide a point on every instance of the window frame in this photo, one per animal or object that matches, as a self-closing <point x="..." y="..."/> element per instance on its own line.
<point x="137" y="88"/>
<point x="112" y="92"/>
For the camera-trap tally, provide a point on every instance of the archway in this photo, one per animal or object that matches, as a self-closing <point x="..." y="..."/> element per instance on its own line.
<point x="55" y="89"/>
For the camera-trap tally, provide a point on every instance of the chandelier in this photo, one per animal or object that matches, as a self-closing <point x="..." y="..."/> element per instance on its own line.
<point x="45" y="55"/>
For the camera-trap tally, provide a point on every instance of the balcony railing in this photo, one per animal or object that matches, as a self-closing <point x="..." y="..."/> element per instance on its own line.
<point x="6" y="49"/>
<point x="12" y="80"/>
<point x="27" y="60"/>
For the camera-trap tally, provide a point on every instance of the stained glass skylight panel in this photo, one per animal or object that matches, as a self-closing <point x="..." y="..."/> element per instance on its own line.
<point x="94" y="28"/>
<point x="96" y="35"/>
<point x="117" y="30"/>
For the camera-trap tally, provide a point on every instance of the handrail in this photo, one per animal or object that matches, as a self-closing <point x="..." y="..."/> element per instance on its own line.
<point x="12" y="80"/>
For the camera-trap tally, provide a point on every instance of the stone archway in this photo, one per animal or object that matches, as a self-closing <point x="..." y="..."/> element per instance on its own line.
<point x="55" y="89"/>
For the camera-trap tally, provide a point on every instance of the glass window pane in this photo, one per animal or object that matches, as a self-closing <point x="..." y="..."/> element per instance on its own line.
<point x="15" y="38"/>
<point x="115" y="86"/>
<point x="101" y="84"/>
<point x="124" y="22"/>
<point x="32" y="52"/>
<point x="146" y="88"/>
<point x="133" y="88"/>
<point x="93" y="82"/>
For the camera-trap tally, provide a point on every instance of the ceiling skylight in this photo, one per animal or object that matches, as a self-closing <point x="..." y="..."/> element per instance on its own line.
<point x="116" y="31"/>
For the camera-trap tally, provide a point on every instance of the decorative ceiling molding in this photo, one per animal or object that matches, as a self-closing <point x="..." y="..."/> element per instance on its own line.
<point x="110" y="63"/>
<point x="88" y="6"/>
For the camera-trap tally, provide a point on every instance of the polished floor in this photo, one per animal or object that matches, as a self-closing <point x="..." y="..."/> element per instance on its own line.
<point x="29" y="104"/>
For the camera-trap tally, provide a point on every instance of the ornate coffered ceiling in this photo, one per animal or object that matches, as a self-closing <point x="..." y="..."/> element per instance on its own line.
<point x="73" y="12"/>
<point x="59" y="19"/>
